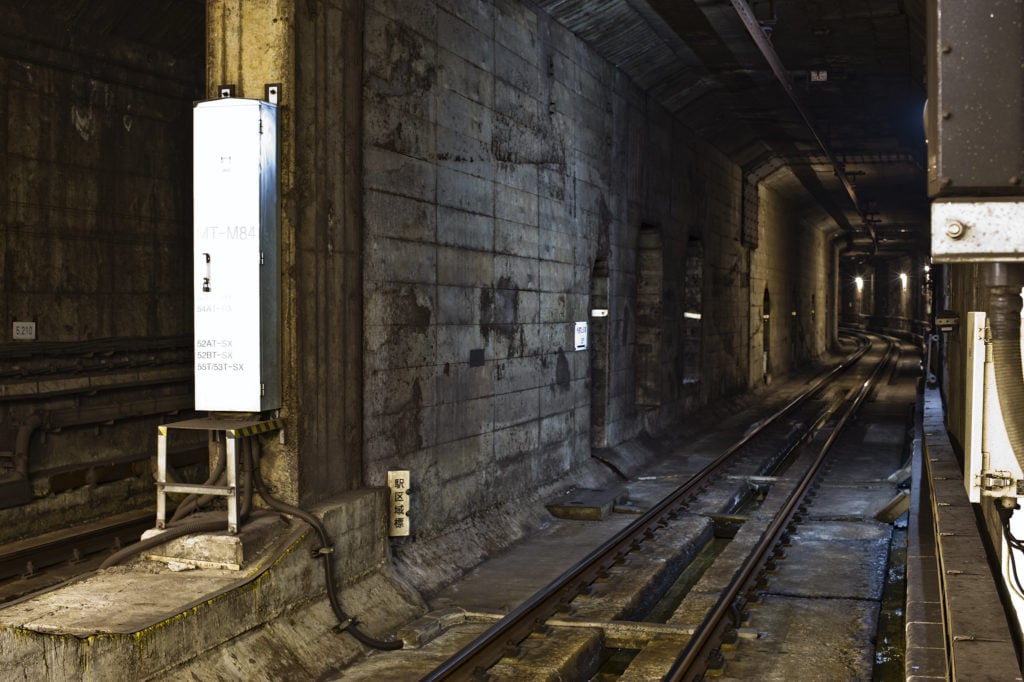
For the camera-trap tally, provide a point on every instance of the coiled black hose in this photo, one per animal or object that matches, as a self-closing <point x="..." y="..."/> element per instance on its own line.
<point x="170" y="533"/>
<point x="345" y="622"/>
<point x="194" y="501"/>
<point x="1004" y="321"/>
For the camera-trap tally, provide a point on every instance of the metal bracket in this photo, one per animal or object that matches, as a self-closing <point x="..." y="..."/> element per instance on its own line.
<point x="272" y="92"/>
<point x="1000" y="484"/>
<point x="225" y="91"/>
<point x="976" y="231"/>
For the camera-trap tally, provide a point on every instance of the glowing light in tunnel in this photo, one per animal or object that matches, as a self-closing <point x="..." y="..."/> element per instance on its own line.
<point x="859" y="281"/>
<point x="903" y="280"/>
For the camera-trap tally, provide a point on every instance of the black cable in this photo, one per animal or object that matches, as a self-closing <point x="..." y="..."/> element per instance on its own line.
<point x="1016" y="576"/>
<point x="1012" y="544"/>
<point x="177" y="528"/>
<point x="170" y="533"/>
<point x="345" y="622"/>
<point x="252" y="481"/>
<point x="193" y="501"/>
<point x="246" y="485"/>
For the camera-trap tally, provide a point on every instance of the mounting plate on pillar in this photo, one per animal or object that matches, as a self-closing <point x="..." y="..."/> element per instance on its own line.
<point x="272" y="93"/>
<point x="225" y="91"/>
<point x="974" y="401"/>
<point x="947" y="320"/>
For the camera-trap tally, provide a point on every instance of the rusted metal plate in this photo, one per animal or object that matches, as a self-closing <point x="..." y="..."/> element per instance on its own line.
<point x="586" y="504"/>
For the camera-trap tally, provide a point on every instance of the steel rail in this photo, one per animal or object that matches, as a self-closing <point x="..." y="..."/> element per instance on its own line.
<point x="691" y="662"/>
<point x="504" y="636"/>
<point x="59" y="549"/>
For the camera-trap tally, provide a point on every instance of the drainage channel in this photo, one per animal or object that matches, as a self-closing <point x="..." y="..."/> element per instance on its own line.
<point x="891" y="639"/>
<point x="615" y="661"/>
<point x="500" y="641"/>
<point x="725" y="528"/>
<point x="614" y="664"/>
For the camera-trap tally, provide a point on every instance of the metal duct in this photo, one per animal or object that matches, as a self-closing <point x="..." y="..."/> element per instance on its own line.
<point x="1004" y="305"/>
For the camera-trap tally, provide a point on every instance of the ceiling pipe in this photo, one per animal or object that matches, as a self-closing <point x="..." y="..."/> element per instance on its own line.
<point x="756" y="32"/>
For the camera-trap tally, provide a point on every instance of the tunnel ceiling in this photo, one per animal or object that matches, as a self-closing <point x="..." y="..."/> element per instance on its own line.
<point x="699" y="60"/>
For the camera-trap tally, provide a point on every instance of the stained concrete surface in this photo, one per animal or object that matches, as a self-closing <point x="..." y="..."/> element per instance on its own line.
<point x="412" y="663"/>
<point x="852" y="501"/>
<point x="834" y="560"/>
<point x="504" y="580"/>
<point x="821" y="604"/>
<point x="142" y="620"/>
<point x="120" y="600"/>
<point x="300" y="633"/>
<point x="520" y="572"/>
<point x="841" y="604"/>
<point x="811" y="640"/>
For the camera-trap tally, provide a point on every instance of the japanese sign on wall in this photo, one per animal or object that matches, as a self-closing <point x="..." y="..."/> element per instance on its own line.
<point x="398" y="503"/>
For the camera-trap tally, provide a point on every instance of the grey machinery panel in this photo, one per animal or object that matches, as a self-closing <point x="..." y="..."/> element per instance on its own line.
<point x="975" y="95"/>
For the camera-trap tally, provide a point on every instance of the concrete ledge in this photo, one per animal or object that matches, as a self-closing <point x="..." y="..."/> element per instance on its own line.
<point x="136" y="621"/>
<point x="220" y="550"/>
<point x="947" y="563"/>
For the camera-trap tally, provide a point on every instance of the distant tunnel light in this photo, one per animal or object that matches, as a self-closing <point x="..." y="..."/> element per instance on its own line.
<point x="903" y="280"/>
<point x="692" y="316"/>
<point x="927" y="268"/>
<point x="859" y="281"/>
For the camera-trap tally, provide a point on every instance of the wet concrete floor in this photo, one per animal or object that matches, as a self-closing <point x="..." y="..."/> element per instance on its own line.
<point x="816" y="620"/>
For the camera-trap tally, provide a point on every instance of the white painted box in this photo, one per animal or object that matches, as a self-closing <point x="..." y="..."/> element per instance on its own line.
<point x="236" y="274"/>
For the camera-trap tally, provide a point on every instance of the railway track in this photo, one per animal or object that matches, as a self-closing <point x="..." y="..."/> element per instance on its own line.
<point x="785" y="454"/>
<point x="659" y="614"/>
<point x="43" y="561"/>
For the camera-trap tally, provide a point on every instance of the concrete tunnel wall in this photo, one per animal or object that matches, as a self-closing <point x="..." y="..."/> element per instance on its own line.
<point x="502" y="162"/>
<point x="95" y="225"/>
<point x="503" y="159"/>
<point x="793" y="263"/>
<point x="96" y="220"/>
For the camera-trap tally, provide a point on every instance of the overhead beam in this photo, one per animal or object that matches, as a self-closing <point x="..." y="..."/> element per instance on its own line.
<point x="753" y="27"/>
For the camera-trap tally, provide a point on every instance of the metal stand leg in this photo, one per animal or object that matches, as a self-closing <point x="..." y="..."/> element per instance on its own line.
<point x="233" y="430"/>
<point x="232" y="472"/>
<point x="161" y="478"/>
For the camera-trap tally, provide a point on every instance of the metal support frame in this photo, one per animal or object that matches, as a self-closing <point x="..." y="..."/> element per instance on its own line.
<point x="974" y="387"/>
<point x="990" y="467"/>
<point x="977" y="230"/>
<point x="234" y="430"/>
<point x="757" y="32"/>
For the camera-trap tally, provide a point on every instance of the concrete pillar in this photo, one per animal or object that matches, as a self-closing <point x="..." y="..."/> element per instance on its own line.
<point x="313" y="48"/>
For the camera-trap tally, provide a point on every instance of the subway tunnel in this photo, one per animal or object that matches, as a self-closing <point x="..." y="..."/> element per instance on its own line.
<point x="509" y="252"/>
